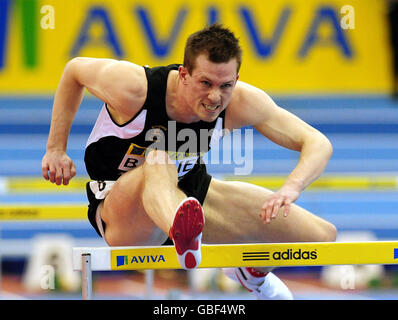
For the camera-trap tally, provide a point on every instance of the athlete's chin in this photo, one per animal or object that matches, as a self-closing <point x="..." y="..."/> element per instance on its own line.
<point x="209" y="118"/>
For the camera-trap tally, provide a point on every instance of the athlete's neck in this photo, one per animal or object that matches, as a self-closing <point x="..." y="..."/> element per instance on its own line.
<point x="177" y="107"/>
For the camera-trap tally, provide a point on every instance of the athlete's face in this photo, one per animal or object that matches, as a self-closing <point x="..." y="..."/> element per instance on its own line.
<point x="209" y="88"/>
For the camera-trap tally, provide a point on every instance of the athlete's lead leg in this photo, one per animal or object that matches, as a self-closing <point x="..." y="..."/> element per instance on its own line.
<point x="147" y="200"/>
<point x="140" y="208"/>
<point x="161" y="195"/>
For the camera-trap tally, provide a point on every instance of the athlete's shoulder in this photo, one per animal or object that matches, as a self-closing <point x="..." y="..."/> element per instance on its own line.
<point x="248" y="106"/>
<point x="118" y="83"/>
<point x="126" y="77"/>
<point x="245" y="92"/>
<point x="125" y="86"/>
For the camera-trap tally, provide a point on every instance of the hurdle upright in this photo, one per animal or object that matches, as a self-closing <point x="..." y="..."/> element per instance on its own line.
<point x="87" y="260"/>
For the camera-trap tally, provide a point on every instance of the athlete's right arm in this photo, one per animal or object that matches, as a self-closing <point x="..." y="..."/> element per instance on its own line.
<point x="120" y="84"/>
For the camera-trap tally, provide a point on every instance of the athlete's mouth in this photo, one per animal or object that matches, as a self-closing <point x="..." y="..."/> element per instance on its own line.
<point x="210" y="108"/>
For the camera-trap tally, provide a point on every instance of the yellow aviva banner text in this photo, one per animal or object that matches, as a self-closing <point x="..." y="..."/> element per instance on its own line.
<point x="292" y="46"/>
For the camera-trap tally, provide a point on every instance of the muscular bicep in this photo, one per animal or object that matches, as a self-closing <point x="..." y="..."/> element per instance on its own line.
<point x="118" y="83"/>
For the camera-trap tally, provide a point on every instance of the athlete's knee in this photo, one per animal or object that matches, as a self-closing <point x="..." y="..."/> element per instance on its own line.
<point x="119" y="236"/>
<point x="157" y="157"/>
<point x="113" y="239"/>
<point x="159" y="160"/>
<point x="329" y="232"/>
<point x="332" y="232"/>
<point x="145" y="236"/>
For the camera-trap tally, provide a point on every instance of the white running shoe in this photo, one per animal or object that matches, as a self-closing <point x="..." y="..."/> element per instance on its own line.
<point x="265" y="286"/>
<point x="186" y="233"/>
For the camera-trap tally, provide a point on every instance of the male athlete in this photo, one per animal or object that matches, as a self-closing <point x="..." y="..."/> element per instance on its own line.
<point x="145" y="187"/>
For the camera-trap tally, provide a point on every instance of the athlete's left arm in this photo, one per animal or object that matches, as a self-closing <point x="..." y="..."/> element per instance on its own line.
<point x="254" y="107"/>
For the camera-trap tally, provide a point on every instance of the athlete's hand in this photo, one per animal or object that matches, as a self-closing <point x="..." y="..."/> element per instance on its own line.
<point x="57" y="167"/>
<point x="281" y="199"/>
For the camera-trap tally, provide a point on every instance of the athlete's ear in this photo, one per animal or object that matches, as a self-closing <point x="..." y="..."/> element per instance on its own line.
<point x="183" y="73"/>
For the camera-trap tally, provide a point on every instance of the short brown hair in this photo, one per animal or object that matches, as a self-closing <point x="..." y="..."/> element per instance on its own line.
<point x="218" y="42"/>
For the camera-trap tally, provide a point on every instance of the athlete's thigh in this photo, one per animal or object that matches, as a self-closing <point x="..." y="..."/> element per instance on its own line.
<point x="232" y="211"/>
<point x="123" y="212"/>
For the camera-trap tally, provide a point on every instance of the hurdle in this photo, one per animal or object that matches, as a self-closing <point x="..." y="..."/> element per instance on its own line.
<point x="87" y="260"/>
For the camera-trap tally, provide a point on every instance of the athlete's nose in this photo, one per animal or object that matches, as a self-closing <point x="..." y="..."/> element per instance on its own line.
<point x="214" y="96"/>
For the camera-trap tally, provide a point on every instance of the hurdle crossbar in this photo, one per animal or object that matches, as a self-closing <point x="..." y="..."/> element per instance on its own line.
<point x="241" y="255"/>
<point x="234" y="255"/>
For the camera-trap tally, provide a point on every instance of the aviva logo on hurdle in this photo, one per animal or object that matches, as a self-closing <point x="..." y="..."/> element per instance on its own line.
<point x="121" y="260"/>
<point x="143" y="258"/>
<point x="139" y="259"/>
<point x="126" y="261"/>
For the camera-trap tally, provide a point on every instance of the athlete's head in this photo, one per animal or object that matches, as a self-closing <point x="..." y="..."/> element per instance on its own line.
<point x="217" y="43"/>
<point x="211" y="64"/>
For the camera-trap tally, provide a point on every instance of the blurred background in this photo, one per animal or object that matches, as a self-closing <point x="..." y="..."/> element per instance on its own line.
<point x="331" y="62"/>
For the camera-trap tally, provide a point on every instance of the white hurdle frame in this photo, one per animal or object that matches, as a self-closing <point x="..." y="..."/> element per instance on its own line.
<point x="87" y="280"/>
